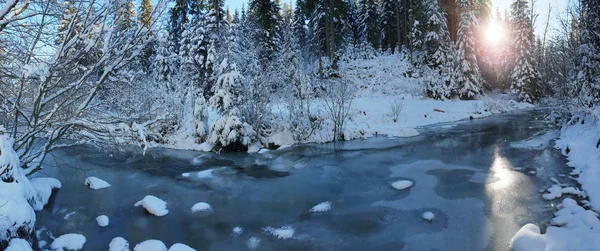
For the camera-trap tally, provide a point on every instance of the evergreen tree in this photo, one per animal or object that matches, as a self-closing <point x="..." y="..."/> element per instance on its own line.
<point x="146" y="10"/>
<point x="469" y="80"/>
<point x="125" y="15"/>
<point x="180" y="14"/>
<point x="439" y="53"/>
<point x="300" y="23"/>
<point x="216" y="15"/>
<point x="588" y="61"/>
<point x="390" y="24"/>
<point x="265" y="16"/>
<point x="236" y="17"/>
<point x="369" y="24"/>
<point x="165" y="62"/>
<point x="524" y="78"/>
<point x="145" y="16"/>
<point x="229" y="132"/>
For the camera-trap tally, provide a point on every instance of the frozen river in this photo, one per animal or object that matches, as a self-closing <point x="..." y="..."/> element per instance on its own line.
<point x="480" y="189"/>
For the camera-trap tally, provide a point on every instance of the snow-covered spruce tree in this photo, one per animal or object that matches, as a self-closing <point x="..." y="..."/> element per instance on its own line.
<point x="525" y="79"/>
<point x="229" y="132"/>
<point x="588" y="61"/>
<point x="197" y="57"/>
<point x="389" y="19"/>
<point x="439" y="54"/>
<point x="369" y="25"/>
<point x="145" y="20"/>
<point x="264" y="16"/>
<point x="164" y="65"/>
<point x="469" y="80"/>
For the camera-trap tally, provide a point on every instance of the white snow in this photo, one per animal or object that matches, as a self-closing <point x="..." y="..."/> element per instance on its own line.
<point x="180" y="247"/>
<point x="321" y="207"/>
<point x="402" y="184"/>
<point x="68" y="242"/>
<point x="186" y="175"/>
<point x="96" y="183"/>
<point x="44" y="188"/>
<point x="102" y="220"/>
<point x="556" y="191"/>
<point x="284" y="232"/>
<point x="428" y="216"/>
<point x="539" y="141"/>
<point x="150" y="245"/>
<point x="238" y="230"/>
<point x="118" y="244"/>
<point x="201" y="207"/>
<point x="253" y="243"/>
<point x="404" y="133"/>
<point x="528" y="238"/>
<point x="18" y="245"/>
<point x="153" y="205"/>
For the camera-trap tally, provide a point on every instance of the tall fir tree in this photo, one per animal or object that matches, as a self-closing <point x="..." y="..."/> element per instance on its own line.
<point x="439" y="53"/>
<point x="525" y="78"/>
<point x="265" y="16"/>
<point x="125" y="15"/>
<point x="587" y="71"/>
<point x="469" y="80"/>
<point x="145" y="20"/>
<point x="390" y="24"/>
<point x="216" y="15"/>
<point x="180" y="14"/>
<point x="369" y="24"/>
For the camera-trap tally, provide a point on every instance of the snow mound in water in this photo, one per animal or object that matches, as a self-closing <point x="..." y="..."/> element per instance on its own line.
<point x="102" y="220"/>
<point x="68" y="242"/>
<point x="253" y="243"/>
<point x="153" y="205"/>
<point x="44" y="188"/>
<point x="428" y="216"/>
<point x="528" y="238"/>
<point x="238" y="230"/>
<point x="181" y="247"/>
<point x="556" y="191"/>
<point x="201" y="207"/>
<point x="284" y="232"/>
<point x="96" y="183"/>
<point x="150" y="245"/>
<point x="405" y="133"/>
<point x="18" y="245"/>
<point x="402" y="184"/>
<point x="321" y="207"/>
<point x="118" y="244"/>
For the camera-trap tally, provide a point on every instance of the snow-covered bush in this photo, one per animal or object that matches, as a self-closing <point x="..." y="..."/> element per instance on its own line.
<point x="396" y="109"/>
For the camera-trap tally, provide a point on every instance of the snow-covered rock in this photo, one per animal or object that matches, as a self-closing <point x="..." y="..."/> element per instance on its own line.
<point x="68" y="242"/>
<point x="253" y="243"/>
<point x="428" y="216"/>
<point x="44" y="188"/>
<point x="102" y="220"/>
<point x="201" y="207"/>
<point x="238" y="230"/>
<point x="284" y="232"/>
<point x="96" y="183"/>
<point x="150" y="245"/>
<point x="321" y="207"/>
<point x="402" y="184"/>
<point x="556" y="191"/>
<point x="18" y="245"/>
<point x="180" y="247"/>
<point x="118" y="244"/>
<point x="153" y="205"/>
<point x="528" y="238"/>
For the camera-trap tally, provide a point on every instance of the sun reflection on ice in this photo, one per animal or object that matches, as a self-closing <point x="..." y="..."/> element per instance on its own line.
<point x="501" y="172"/>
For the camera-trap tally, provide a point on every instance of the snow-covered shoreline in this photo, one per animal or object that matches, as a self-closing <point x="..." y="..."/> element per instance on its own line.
<point x="574" y="227"/>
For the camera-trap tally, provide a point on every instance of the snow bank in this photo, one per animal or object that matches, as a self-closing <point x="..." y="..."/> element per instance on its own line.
<point x="402" y="184"/>
<point x="153" y="205"/>
<point x="118" y="244"/>
<point x="18" y="245"/>
<point x="180" y="247"/>
<point x="96" y="183"/>
<point x="428" y="216"/>
<point x="404" y="133"/>
<point x="68" y="242"/>
<point x="102" y="220"/>
<point x="201" y="207"/>
<point x="321" y="207"/>
<point x="44" y="188"/>
<point x="528" y="238"/>
<point x="150" y="245"/>
<point x="284" y="232"/>
<point x="253" y="243"/>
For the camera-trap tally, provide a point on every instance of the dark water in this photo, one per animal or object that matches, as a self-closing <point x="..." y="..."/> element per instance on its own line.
<point x="464" y="174"/>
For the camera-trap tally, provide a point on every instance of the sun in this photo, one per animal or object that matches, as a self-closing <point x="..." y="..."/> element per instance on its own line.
<point x="494" y="33"/>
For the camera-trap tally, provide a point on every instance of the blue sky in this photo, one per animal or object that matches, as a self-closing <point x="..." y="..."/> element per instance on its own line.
<point x="558" y="7"/>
